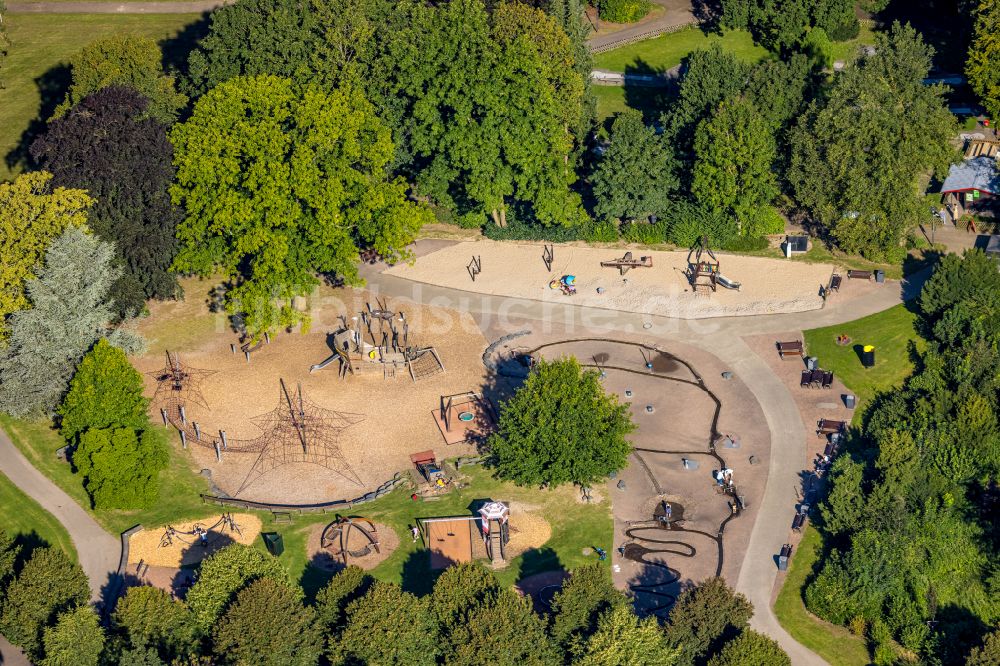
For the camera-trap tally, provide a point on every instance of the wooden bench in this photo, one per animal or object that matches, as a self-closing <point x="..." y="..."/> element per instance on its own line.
<point x="860" y="275"/>
<point x="827" y="380"/>
<point x="835" y="281"/>
<point x="787" y="349"/>
<point x="830" y="427"/>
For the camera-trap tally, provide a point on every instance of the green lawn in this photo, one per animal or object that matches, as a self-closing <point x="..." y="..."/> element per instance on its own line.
<point x="25" y="518"/>
<point x="612" y="100"/>
<point x="834" y="644"/>
<point x="41" y="44"/>
<point x="661" y="53"/>
<point x="574" y="527"/>
<point x="179" y="486"/>
<point x="890" y="331"/>
<point x="849" y="49"/>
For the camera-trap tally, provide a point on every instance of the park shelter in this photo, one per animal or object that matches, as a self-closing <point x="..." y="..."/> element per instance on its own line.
<point x="971" y="186"/>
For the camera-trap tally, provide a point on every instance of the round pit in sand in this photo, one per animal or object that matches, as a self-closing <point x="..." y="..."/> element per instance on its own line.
<point x="325" y="560"/>
<point x="182" y="545"/>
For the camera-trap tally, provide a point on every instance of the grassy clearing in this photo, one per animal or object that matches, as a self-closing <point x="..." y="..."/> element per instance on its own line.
<point x="28" y="522"/>
<point x="35" y="72"/>
<point x="666" y="51"/>
<point x="891" y="331"/>
<point x="612" y="100"/>
<point x="836" y="645"/>
<point x="179" y="486"/>
<point x="849" y="49"/>
<point x="574" y="527"/>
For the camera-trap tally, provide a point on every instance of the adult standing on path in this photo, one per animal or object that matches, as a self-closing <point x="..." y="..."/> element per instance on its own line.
<point x="97" y="550"/>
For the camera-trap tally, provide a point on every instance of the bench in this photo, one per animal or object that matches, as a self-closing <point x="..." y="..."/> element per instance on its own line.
<point x="787" y="349"/>
<point x="860" y="275"/>
<point x="835" y="281"/>
<point x="830" y="427"/>
<point x="798" y="522"/>
<point x="827" y="379"/>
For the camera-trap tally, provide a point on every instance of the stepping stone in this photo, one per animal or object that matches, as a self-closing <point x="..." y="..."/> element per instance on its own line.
<point x="727" y="375"/>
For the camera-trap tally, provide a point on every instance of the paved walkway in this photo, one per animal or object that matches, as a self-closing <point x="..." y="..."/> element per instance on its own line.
<point x="97" y="550"/>
<point x="195" y="7"/>
<point x="675" y="13"/>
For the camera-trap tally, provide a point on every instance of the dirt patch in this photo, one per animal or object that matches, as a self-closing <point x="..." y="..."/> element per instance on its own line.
<point x="184" y="546"/>
<point x="323" y="558"/>
<point x="527" y="531"/>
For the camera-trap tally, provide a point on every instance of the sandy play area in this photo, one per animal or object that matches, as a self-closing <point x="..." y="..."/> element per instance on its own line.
<point x="391" y="418"/>
<point x="183" y="546"/>
<point x="325" y="558"/>
<point x="517" y="270"/>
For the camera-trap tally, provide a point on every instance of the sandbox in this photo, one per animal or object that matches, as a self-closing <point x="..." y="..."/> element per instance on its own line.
<point x="155" y="548"/>
<point x="518" y="271"/>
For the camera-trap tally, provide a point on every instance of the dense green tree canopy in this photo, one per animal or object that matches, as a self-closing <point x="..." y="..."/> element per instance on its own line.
<point x="132" y="61"/>
<point x="150" y="618"/>
<point x="47" y="585"/>
<point x="70" y="313"/>
<point x="622" y="639"/>
<point x="751" y="648"/>
<point x="733" y="170"/>
<point x="106" y="146"/>
<point x="983" y="65"/>
<point x="349" y="584"/>
<point x="120" y="466"/>
<point x="858" y="155"/>
<point x="561" y="427"/>
<point x="387" y="626"/>
<point x="577" y="607"/>
<point x="783" y="24"/>
<point x="222" y="575"/>
<point x="704" y="618"/>
<point x="32" y="215"/>
<point x="267" y="624"/>
<point x="105" y="392"/>
<point x="281" y="182"/>
<point x="635" y="176"/>
<point x="77" y="639"/>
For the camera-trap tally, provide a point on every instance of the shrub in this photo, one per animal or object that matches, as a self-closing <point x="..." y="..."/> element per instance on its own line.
<point x="121" y="467"/>
<point x="746" y="244"/>
<point x="624" y="11"/>
<point x="646" y="234"/>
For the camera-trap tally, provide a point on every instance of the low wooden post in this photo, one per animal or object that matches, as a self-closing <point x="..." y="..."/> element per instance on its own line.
<point x="232" y="347"/>
<point x="247" y="355"/>
<point x="184" y="442"/>
<point x="222" y="434"/>
<point x="218" y="453"/>
<point x="267" y="338"/>
<point x="163" y="415"/>
<point x="183" y="415"/>
<point x="197" y="431"/>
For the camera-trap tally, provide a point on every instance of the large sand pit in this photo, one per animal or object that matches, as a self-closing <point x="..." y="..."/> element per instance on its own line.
<point x="393" y="416"/>
<point x="517" y="271"/>
<point x="183" y="548"/>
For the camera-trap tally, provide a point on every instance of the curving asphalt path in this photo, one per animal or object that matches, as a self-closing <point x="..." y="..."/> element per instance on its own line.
<point x="97" y="550"/>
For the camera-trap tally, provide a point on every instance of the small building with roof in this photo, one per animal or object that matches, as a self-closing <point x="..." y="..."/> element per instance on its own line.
<point x="971" y="187"/>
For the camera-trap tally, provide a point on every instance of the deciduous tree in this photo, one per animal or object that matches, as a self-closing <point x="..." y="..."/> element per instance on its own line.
<point x="584" y="598"/>
<point x="751" y="648"/>
<point x="48" y="584"/>
<point x="120" y="466"/>
<point x="733" y="174"/>
<point x="387" y="626"/>
<point x="704" y="618"/>
<point x="132" y="61"/>
<point x="151" y="619"/>
<point x="76" y="639"/>
<point x="280" y="183"/>
<point x="331" y="602"/>
<point x="105" y="392"/>
<point x="70" y="312"/>
<point x="32" y="215"/>
<point x="267" y="624"/>
<point x="622" y="639"/>
<point x="561" y="427"/>
<point x="857" y="156"/>
<point x="983" y="64"/>
<point x="635" y="176"/>
<point x="108" y="147"/>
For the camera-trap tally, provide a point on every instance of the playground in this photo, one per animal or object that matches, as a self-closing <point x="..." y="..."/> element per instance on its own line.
<point x="651" y="282"/>
<point x="692" y="425"/>
<point x="269" y="426"/>
<point x="187" y="543"/>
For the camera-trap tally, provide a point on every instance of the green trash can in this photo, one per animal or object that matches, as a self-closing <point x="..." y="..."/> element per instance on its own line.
<point x="273" y="543"/>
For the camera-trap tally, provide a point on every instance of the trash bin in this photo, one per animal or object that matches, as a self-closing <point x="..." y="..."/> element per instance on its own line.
<point x="868" y="356"/>
<point x="812" y="362"/>
<point x="849" y="401"/>
<point x="273" y="543"/>
<point x="880" y="276"/>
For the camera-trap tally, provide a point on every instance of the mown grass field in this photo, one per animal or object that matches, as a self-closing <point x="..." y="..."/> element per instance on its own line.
<point x="26" y="521"/>
<point x="35" y="74"/>
<point x="666" y="51"/>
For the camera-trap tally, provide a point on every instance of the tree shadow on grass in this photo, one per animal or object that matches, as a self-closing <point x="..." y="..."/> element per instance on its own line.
<point x="52" y="87"/>
<point x="538" y="560"/>
<point x="418" y="578"/>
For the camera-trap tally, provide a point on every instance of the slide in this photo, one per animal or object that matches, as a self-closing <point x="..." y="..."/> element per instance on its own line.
<point x="320" y="366"/>
<point x="727" y="283"/>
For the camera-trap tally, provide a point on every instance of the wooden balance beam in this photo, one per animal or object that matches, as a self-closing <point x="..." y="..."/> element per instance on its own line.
<point x="628" y="262"/>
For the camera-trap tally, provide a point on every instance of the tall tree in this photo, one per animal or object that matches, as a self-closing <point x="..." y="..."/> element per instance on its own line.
<point x="622" y="639"/>
<point x="32" y="215"/>
<point x="635" y="177"/>
<point x="387" y="626"/>
<point x="505" y="627"/>
<point x="734" y="167"/>
<point x="857" y="157"/>
<point x="70" y="312"/>
<point x="281" y="182"/>
<point x="983" y="64"/>
<point x="331" y="602"/>
<point x="704" y="618"/>
<point x="108" y="147"/>
<point x="150" y="618"/>
<point x="120" y="466"/>
<point x="124" y="60"/>
<point x="76" y="639"/>
<point x="267" y="624"/>
<point x="588" y="441"/>
<point x="588" y="595"/>
<point x="48" y="584"/>
<point x="751" y="648"/>
<point x="222" y="575"/>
